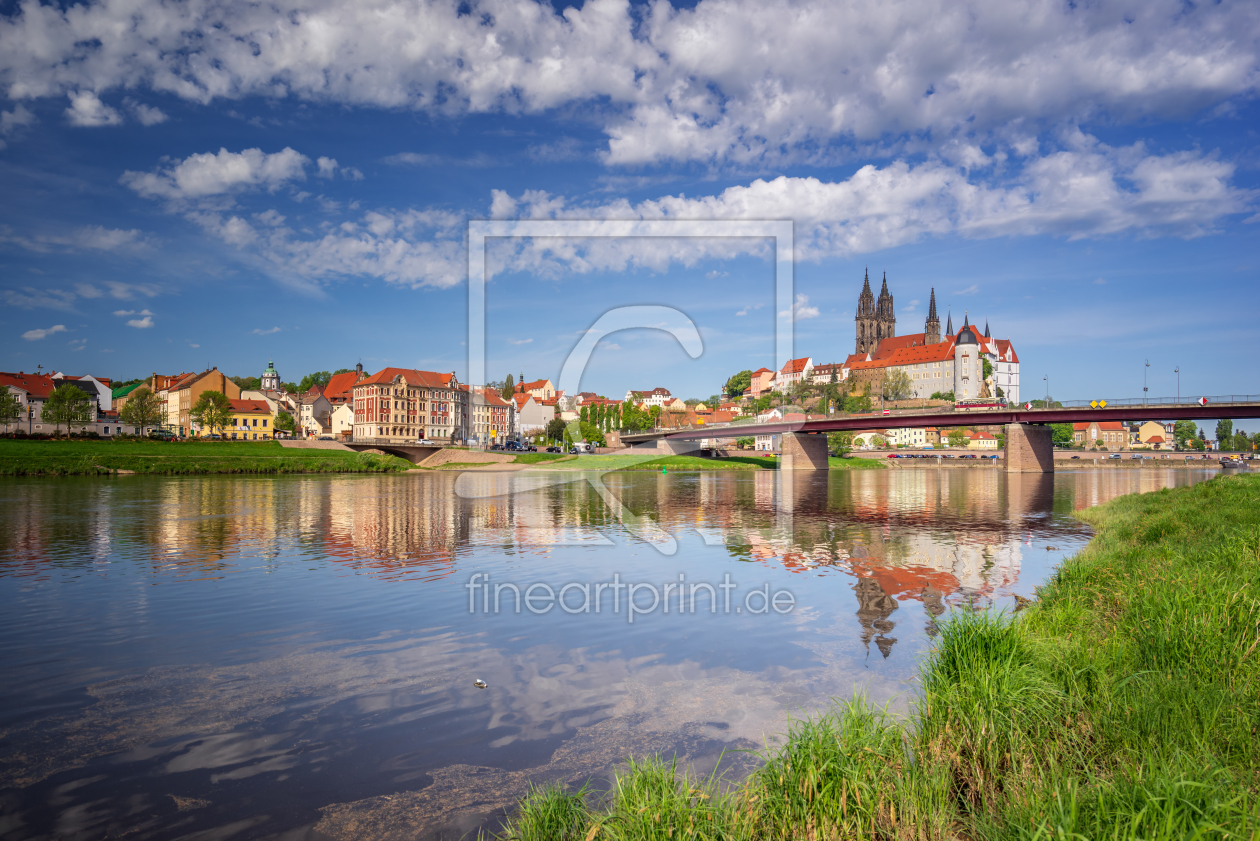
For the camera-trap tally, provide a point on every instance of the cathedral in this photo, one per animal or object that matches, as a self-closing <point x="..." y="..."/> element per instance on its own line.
<point x="934" y="361"/>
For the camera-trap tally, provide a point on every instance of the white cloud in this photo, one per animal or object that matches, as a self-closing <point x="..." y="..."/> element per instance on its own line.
<point x="209" y="174"/>
<point x="95" y="237"/>
<point x="1100" y="282"/>
<point x="519" y="341"/>
<point x="128" y="291"/>
<point x="29" y="297"/>
<point x="87" y="110"/>
<point x="131" y="312"/>
<point x="11" y="122"/>
<point x="148" y="115"/>
<point x="801" y="309"/>
<point x="36" y="335"/>
<point x="715" y="274"/>
<point x="141" y="323"/>
<point x="190" y="344"/>
<point x="77" y="344"/>
<point x="258" y="331"/>
<point x="970" y="290"/>
<point x="723" y="80"/>
<point x="327" y="167"/>
<point x="749" y="308"/>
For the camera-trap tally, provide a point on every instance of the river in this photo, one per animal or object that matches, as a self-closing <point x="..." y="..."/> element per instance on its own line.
<point x="293" y="657"/>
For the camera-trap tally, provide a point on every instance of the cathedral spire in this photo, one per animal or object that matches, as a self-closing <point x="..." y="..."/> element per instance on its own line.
<point x="986" y="329"/>
<point x="932" y="328"/>
<point x="949" y="324"/>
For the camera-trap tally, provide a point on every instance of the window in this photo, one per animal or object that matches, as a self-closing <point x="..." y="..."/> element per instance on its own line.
<point x="264" y="421"/>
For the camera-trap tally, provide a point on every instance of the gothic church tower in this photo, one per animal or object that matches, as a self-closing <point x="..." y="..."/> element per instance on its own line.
<point x="867" y="329"/>
<point x="932" y="329"/>
<point x="884" y="315"/>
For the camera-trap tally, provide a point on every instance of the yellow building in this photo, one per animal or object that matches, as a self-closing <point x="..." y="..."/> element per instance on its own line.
<point x="1154" y="436"/>
<point x="981" y="441"/>
<point x="252" y="420"/>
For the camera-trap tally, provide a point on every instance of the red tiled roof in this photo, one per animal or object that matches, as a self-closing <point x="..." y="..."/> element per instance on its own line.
<point x="1004" y="345"/>
<point x="855" y="357"/>
<point x="341" y="385"/>
<point x="887" y="347"/>
<point x="794" y="366"/>
<point x="493" y="397"/>
<point x="1103" y="426"/>
<point x="249" y="405"/>
<point x="976" y="436"/>
<point x="521" y="399"/>
<point x="36" y="385"/>
<point x="762" y="371"/>
<point x="1154" y="439"/>
<point x="428" y="379"/>
<point x="536" y="384"/>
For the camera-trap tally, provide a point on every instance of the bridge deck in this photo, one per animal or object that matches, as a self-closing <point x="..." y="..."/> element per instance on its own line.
<point x="955" y="417"/>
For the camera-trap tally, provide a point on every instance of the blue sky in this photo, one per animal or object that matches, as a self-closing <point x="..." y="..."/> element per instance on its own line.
<point x="214" y="183"/>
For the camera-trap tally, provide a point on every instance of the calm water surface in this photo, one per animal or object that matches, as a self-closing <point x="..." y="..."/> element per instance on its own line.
<point x="221" y="657"/>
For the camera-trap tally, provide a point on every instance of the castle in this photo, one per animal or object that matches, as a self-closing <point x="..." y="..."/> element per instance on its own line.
<point x="934" y="361"/>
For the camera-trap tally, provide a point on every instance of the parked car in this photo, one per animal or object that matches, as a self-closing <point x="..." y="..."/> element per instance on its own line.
<point x="1076" y="457"/>
<point x="892" y="455"/>
<point x="555" y="450"/>
<point x="162" y="435"/>
<point x="1115" y="456"/>
<point x="325" y="438"/>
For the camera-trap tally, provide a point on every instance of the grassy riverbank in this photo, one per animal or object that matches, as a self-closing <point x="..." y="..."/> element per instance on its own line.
<point x="90" y="458"/>
<point x="1124" y="703"/>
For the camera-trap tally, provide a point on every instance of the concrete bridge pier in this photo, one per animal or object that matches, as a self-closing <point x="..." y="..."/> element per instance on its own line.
<point x="1029" y="448"/>
<point x="804" y="451"/>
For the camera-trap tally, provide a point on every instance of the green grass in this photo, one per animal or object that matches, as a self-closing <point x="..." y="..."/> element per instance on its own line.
<point x="697" y="463"/>
<point x="856" y="463"/>
<point x="87" y="458"/>
<point x="1123" y="704"/>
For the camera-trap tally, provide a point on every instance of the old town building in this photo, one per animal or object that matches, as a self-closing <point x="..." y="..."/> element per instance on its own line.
<point x="397" y="405"/>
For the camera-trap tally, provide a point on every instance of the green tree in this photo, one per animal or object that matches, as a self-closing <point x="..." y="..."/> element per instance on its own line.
<point x="68" y="405"/>
<point x="1100" y="444"/>
<point x="290" y="388"/>
<point x="247" y="383"/>
<point x="1184" y="431"/>
<point x="897" y="385"/>
<point x="342" y="371"/>
<point x="857" y="403"/>
<point x="284" y="422"/>
<point x="840" y="443"/>
<point x="142" y="409"/>
<point x="592" y="435"/>
<point x="736" y="384"/>
<point x="1224" y="432"/>
<point x="746" y="442"/>
<point x="957" y="437"/>
<point x="1063" y="434"/>
<point x="555" y="430"/>
<point x="987" y="368"/>
<point x="509" y="387"/>
<point x="319" y="378"/>
<point x="584" y="414"/>
<point x="212" y="411"/>
<point x="942" y="395"/>
<point x="10" y="407"/>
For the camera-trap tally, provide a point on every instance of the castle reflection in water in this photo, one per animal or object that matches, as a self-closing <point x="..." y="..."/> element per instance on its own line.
<point x="937" y="537"/>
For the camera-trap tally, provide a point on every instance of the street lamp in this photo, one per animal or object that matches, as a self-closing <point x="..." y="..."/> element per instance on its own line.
<point x="1144" y="389"/>
<point x="1047" y="379"/>
<point x="1177" y="371"/>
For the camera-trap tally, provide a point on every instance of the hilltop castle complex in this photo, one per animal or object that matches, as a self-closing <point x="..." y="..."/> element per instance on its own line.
<point x="934" y="361"/>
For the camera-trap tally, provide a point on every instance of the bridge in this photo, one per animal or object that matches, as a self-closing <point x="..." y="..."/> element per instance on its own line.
<point x="1029" y="446"/>
<point x="414" y="453"/>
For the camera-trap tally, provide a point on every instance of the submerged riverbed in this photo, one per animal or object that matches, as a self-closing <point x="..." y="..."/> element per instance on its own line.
<point x="294" y="656"/>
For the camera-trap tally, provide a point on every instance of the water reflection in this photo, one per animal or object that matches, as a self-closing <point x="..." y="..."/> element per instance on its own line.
<point x="183" y="654"/>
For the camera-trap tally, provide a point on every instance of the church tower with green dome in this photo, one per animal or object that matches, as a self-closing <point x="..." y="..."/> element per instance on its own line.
<point x="270" y="380"/>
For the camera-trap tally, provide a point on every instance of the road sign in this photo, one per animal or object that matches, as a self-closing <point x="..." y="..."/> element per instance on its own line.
<point x="1102" y="404"/>
<point x="1027" y="405"/>
<point x="1202" y="401"/>
<point x="1093" y="404"/>
<point x="887" y="412"/>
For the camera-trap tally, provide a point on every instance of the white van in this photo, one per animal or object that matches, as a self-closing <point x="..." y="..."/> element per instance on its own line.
<point x="581" y="447"/>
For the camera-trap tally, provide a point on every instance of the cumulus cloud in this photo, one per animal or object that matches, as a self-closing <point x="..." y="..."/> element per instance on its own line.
<point x="801" y="309"/>
<point x="131" y="312"/>
<point x="210" y="174"/>
<point x="147" y="115"/>
<point x="87" y="110"/>
<point x="11" y="122"/>
<point x="1086" y="190"/>
<point x="141" y="323"/>
<point x="258" y="331"/>
<point x="36" y="335"/>
<point x="737" y="80"/>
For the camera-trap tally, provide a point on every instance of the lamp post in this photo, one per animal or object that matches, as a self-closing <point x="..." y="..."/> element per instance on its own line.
<point x="1047" y="379"/>
<point x="1177" y="371"/>
<point x="1144" y="389"/>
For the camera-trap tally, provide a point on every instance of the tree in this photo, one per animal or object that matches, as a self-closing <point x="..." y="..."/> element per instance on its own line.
<point x="746" y="442"/>
<point x="942" y="395"/>
<point x="284" y="422"/>
<point x="737" y="383"/>
<point x="1184" y="431"/>
<point x="1100" y="444"/>
<point x="554" y="430"/>
<point x="957" y="437"/>
<point x="509" y="387"/>
<point x="987" y="368"/>
<point x="591" y="434"/>
<point x="290" y="388"/>
<point x="897" y="385"/>
<point x="1000" y="393"/>
<point x="10" y="407"/>
<point x="584" y="414"/>
<point x="1224" y="432"/>
<point x="840" y="443"/>
<point x="1063" y="434"/>
<point x="342" y="371"/>
<point x="319" y="378"/>
<point x="247" y="383"/>
<point x="878" y="441"/>
<point x="142" y="409"/>
<point x="856" y="403"/>
<point x="212" y="410"/>
<point x="68" y="405"/>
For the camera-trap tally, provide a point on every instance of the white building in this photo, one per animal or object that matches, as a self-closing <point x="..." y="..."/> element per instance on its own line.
<point x="656" y="397"/>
